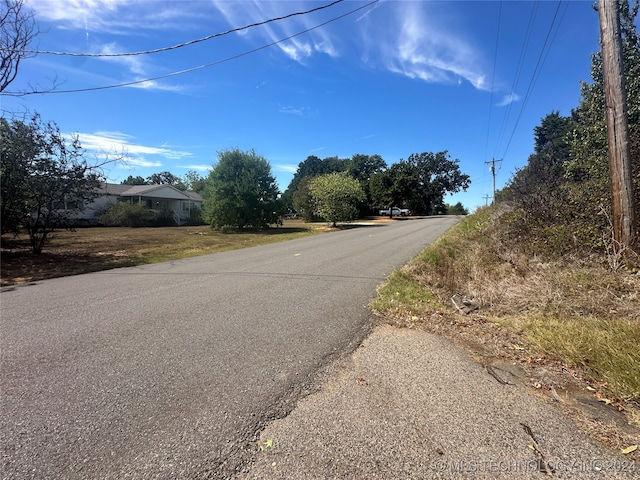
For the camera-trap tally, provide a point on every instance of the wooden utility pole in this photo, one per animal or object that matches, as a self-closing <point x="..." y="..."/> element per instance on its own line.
<point x="622" y="200"/>
<point x="492" y="169"/>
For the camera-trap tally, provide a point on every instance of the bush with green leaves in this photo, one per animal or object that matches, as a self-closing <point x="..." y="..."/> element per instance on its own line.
<point x="195" y="217"/>
<point x="241" y="192"/>
<point x="562" y="198"/>
<point x="124" y="214"/>
<point x="336" y="197"/>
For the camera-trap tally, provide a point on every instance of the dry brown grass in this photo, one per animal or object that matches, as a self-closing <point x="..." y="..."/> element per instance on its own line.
<point x="571" y="314"/>
<point x="93" y="249"/>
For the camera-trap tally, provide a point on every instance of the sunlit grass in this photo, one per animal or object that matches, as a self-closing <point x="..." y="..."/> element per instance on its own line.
<point x="93" y="249"/>
<point x="607" y="349"/>
<point x="400" y="294"/>
<point x="574" y="311"/>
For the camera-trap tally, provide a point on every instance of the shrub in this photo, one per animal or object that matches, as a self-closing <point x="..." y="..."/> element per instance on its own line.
<point x="126" y="215"/>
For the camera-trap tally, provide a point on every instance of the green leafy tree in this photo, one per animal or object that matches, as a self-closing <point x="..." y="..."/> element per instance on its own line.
<point x="311" y="167"/>
<point x="45" y="179"/>
<point x="130" y="180"/>
<point x="166" y="178"/>
<point x="363" y="168"/>
<point x="335" y="197"/>
<point x="544" y="173"/>
<point x="302" y="201"/>
<point x="457" y="209"/>
<point x="241" y="192"/>
<point x="419" y="183"/>
<point x="562" y="194"/>
<point x="194" y="182"/>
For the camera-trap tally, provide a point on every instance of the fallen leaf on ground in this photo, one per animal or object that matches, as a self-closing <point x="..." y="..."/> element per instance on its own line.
<point x="629" y="449"/>
<point x="267" y="444"/>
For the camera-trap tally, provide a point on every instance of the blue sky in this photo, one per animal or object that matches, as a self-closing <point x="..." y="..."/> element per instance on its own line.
<point x="393" y="78"/>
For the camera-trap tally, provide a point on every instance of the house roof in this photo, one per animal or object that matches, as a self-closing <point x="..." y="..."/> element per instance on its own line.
<point x="195" y="196"/>
<point x="113" y="188"/>
<point x="156" y="191"/>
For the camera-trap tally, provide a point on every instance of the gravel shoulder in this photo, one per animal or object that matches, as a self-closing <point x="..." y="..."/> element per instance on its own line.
<point x="411" y="404"/>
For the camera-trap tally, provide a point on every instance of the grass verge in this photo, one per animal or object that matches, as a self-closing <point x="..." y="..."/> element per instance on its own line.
<point x="94" y="249"/>
<point x="573" y="311"/>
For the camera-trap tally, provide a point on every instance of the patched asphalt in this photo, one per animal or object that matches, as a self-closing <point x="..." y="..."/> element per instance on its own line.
<point x="412" y="405"/>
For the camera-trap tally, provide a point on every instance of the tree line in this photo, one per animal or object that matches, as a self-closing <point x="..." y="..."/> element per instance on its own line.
<point x="561" y="199"/>
<point x="241" y="191"/>
<point x="418" y="183"/>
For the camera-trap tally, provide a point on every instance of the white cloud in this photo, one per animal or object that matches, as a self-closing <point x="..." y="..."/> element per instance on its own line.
<point x="299" y="111"/>
<point x="286" y="167"/>
<point x="135" y="64"/>
<point x="409" y="38"/>
<point x="199" y="168"/>
<point x="141" y="162"/>
<point x="115" y="16"/>
<point x="418" y="45"/>
<point x="509" y="99"/>
<point x="104" y="143"/>
<point x="300" y="48"/>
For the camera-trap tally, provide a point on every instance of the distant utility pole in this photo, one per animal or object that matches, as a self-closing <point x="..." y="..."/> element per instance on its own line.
<point x="486" y="200"/>
<point x="622" y="201"/>
<point x="492" y="169"/>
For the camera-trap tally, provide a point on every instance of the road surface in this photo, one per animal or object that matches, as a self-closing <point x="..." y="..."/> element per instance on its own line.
<point x="171" y="370"/>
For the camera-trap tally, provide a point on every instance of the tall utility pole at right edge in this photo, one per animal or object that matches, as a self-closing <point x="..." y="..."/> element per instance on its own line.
<point x="492" y="169"/>
<point x="622" y="201"/>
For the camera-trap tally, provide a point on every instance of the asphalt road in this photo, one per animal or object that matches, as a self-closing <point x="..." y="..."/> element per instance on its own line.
<point x="171" y="370"/>
<point x="410" y="405"/>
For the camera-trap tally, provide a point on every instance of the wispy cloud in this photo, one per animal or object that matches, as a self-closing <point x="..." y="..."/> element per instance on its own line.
<point x="299" y="111"/>
<point x="285" y="167"/>
<point x="418" y="45"/>
<point x="366" y="137"/>
<point x="105" y="143"/>
<point x="124" y="18"/>
<point x="114" y="16"/>
<point x="135" y="64"/>
<point x="199" y="168"/>
<point x="297" y="48"/>
<point x="409" y="38"/>
<point x="509" y="99"/>
<point x="317" y="150"/>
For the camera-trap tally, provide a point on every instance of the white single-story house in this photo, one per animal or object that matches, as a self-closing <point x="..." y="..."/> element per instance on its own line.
<point x="155" y="197"/>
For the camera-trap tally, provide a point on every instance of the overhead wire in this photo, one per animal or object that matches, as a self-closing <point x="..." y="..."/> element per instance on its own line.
<point x="193" y="69"/>
<point x="184" y="44"/>
<point x="516" y="78"/>
<point x="493" y="78"/>
<point x="534" y="76"/>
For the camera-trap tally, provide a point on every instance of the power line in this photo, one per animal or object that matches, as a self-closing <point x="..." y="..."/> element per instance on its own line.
<point x="180" y="45"/>
<point x="534" y="76"/>
<point x="493" y="78"/>
<point x="193" y="69"/>
<point x="516" y="78"/>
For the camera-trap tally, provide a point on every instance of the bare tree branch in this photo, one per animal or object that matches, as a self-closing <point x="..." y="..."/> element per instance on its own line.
<point x="17" y="29"/>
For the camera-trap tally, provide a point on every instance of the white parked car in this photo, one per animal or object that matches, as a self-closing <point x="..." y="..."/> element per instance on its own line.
<point x="395" y="211"/>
